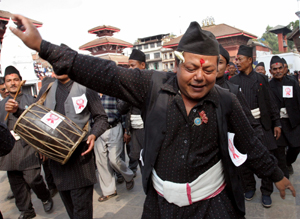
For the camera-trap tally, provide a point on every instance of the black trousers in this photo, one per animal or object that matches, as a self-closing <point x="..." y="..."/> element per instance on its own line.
<point x="133" y="163"/>
<point x="48" y="175"/>
<point x="78" y="202"/>
<point x="21" y="182"/>
<point x="280" y="154"/>
<point x="292" y="154"/>
<point x="249" y="182"/>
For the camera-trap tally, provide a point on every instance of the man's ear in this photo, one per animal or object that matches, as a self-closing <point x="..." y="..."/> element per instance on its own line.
<point x="251" y="59"/>
<point x="143" y="65"/>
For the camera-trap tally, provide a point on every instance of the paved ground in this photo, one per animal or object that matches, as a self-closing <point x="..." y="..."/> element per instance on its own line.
<point x="129" y="204"/>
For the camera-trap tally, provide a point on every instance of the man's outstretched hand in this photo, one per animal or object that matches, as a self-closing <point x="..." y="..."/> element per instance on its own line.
<point x="284" y="184"/>
<point x="31" y="37"/>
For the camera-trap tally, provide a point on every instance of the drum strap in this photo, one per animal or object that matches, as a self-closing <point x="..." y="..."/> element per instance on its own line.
<point x="43" y="98"/>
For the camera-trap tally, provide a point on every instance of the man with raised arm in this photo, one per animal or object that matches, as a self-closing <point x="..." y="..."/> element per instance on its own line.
<point x="187" y="170"/>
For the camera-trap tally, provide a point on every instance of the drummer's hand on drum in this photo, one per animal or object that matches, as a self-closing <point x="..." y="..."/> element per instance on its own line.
<point x="43" y="157"/>
<point x="91" y="142"/>
<point x="11" y="106"/>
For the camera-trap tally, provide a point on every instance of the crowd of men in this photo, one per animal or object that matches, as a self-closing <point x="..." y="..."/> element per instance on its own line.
<point x="168" y="122"/>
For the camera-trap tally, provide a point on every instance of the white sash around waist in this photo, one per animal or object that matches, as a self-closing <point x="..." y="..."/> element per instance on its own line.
<point x="183" y="194"/>
<point x="283" y="113"/>
<point x="256" y="113"/>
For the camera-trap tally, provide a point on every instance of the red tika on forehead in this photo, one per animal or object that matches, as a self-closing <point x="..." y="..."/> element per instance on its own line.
<point x="276" y="63"/>
<point x="202" y="62"/>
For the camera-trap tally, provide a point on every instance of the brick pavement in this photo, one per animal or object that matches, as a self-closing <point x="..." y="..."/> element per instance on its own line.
<point x="129" y="204"/>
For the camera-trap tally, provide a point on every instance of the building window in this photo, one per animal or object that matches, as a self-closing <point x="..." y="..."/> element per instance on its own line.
<point x="152" y="45"/>
<point x="147" y="66"/>
<point x="155" y="65"/>
<point x="140" y="47"/>
<point x="146" y="46"/>
<point x="166" y="66"/>
<point x="166" y="56"/>
<point x="157" y="55"/>
<point x="172" y="65"/>
<point x="171" y="55"/>
<point x="147" y="56"/>
<point x="158" y="44"/>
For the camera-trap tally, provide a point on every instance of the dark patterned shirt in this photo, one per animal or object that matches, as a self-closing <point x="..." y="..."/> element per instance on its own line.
<point x="194" y="147"/>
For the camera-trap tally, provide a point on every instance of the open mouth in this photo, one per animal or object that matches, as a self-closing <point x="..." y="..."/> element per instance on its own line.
<point x="198" y="87"/>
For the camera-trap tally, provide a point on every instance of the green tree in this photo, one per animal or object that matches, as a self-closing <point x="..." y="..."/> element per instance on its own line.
<point x="270" y="39"/>
<point x="292" y="25"/>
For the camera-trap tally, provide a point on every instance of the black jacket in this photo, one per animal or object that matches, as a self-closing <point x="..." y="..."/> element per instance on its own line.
<point x="7" y="141"/>
<point x="292" y="104"/>
<point x="264" y="100"/>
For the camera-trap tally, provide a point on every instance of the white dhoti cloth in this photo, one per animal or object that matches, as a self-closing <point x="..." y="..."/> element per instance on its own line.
<point x="207" y="185"/>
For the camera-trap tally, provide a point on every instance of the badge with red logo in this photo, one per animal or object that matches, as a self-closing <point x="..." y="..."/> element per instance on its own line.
<point x="79" y="103"/>
<point x="52" y="119"/>
<point x="236" y="157"/>
<point x="287" y="91"/>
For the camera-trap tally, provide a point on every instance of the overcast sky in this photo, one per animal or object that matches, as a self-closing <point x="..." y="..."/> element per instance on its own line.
<point x="67" y="21"/>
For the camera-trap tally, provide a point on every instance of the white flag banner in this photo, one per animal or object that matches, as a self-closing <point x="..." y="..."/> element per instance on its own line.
<point x="79" y="103"/>
<point x="52" y="119"/>
<point x="287" y="91"/>
<point x="237" y="158"/>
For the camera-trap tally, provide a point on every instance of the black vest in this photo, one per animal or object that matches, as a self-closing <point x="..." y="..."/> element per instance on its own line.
<point x="155" y="117"/>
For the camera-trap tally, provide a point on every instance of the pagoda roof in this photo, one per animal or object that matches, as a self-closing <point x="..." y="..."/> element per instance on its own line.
<point x="103" y="27"/>
<point x="258" y="43"/>
<point x="5" y="16"/>
<point x="220" y="31"/>
<point x="280" y="29"/>
<point x="104" y="41"/>
<point x="121" y="59"/>
<point x="293" y="33"/>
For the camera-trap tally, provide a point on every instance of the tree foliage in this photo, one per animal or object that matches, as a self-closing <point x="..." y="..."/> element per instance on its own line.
<point x="271" y="39"/>
<point x="292" y="25"/>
